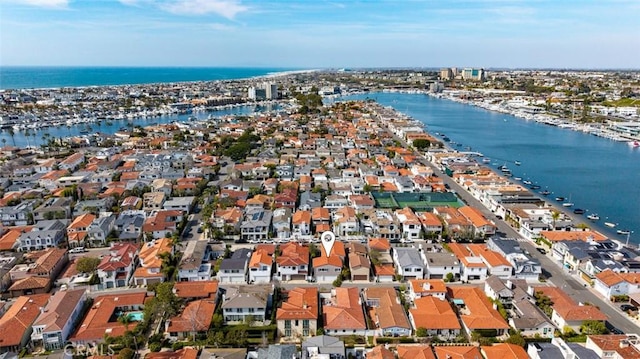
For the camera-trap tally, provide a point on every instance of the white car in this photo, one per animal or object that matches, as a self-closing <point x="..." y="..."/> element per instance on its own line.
<point x="78" y="250"/>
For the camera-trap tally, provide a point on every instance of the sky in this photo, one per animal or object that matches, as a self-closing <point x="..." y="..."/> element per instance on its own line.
<point x="321" y="34"/>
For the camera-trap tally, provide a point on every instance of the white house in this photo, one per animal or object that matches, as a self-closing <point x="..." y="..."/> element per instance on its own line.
<point x="260" y="267"/>
<point x="55" y="323"/>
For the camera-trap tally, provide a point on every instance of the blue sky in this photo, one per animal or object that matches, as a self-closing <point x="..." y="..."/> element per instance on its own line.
<point x="321" y="34"/>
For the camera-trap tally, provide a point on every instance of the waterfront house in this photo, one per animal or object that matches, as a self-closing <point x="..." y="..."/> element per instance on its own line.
<point x="16" y="323"/>
<point x="343" y="312"/>
<point x="194" y="319"/>
<point x="409" y="263"/>
<point x="436" y="316"/>
<point x="240" y="302"/>
<point x="234" y="269"/>
<point x="150" y="270"/>
<point x="386" y="312"/>
<point x="116" y="268"/>
<point x="56" y="321"/>
<point x="102" y="317"/>
<point x="293" y="262"/>
<point x="194" y="264"/>
<point x="298" y="315"/>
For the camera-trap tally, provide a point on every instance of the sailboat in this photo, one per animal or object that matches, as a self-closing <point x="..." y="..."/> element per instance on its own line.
<point x="568" y="203"/>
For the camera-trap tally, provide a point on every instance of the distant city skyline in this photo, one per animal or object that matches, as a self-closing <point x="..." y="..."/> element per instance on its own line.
<point x="321" y="34"/>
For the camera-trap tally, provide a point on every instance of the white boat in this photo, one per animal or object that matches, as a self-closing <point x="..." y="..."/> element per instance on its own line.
<point x="633" y="144"/>
<point x="486" y="160"/>
<point x="517" y="163"/>
<point x="622" y="231"/>
<point x="609" y="224"/>
<point x="567" y="204"/>
<point x="593" y="217"/>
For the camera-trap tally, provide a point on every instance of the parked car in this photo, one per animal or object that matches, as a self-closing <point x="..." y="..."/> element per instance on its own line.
<point x="77" y="250"/>
<point x="542" y="250"/>
<point x="628" y="308"/>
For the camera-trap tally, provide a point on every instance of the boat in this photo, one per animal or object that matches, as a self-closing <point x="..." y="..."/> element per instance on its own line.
<point x="559" y="199"/>
<point x="517" y="178"/>
<point x="545" y="192"/>
<point x="486" y="160"/>
<point x="567" y="204"/>
<point x="623" y="231"/>
<point x="517" y="163"/>
<point x="593" y="217"/>
<point x="633" y="144"/>
<point x="578" y="211"/>
<point x="527" y="182"/>
<point x="609" y="224"/>
<point x="534" y="186"/>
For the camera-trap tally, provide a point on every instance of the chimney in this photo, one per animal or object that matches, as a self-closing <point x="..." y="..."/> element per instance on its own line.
<point x="624" y="343"/>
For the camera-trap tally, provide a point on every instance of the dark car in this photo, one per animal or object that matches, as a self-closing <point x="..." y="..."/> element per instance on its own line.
<point x="542" y="250"/>
<point x="628" y="308"/>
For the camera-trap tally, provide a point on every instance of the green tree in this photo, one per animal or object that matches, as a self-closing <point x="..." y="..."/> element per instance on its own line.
<point x="314" y="251"/>
<point x="517" y="339"/>
<point x="449" y="277"/>
<point x="87" y="264"/>
<point x="421" y="144"/>
<point x="217" y="321"/>
<point x="126" y="353"/>
<point x="421" y="332"/>
<point x="374" y="257"/>
<point x="168" y="302"/>
<point x="593" y="327"/>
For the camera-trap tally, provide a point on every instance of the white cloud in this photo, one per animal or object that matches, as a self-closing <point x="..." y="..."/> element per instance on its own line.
<point x="225" y="8"/>
<point x="45" y="3"/>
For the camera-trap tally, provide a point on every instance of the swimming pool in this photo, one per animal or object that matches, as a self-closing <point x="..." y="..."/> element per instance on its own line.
<point x="136" y="316"/>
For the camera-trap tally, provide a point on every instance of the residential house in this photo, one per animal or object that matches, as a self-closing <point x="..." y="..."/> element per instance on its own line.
<point x="56" y="321"/>
<point x="298" y="315"/>
<point x="386" y="312"/>
<point x="359" y="267"/>
<point x="473" y="268"/>
<point x="497" y="264"/>
<point x="72" y="162"/>
<point x="260" y="267"/>
<point x="422" y="351"/>
<point x="286" y="199"/>
<point x="382" y="247"/>
<point x="527" y="318"/>
<point x="129" y="225"/>
<point x="184" y="353"/>
<point x="482" y="227"/>
<point x="194" y="264"/>
<point x="457" y="352"/>
<point x="436" y="316"/>
<point x="227" y="220"/>
<point x="458" y="226"/>
<point x="409" y="263"/>
<point x="150" y="270"/>
<point x="281" y="223"/>
<point x="503" y="350"/>
<point x="234" y="269"/>
<point x="343" y="313"/>
<point x="194" y="319"/>
<point x="196" y="290"/>
<point x="99" y="230"/>
<point x="524" y="265"/>
<point x="16" y="323"/>
<point x="618" y="346"/>
<point x="116" y="268"/>
<point x="45" y="234"/>
<point x="321" y="220"/>
<point x="476" y="311"/>
<point x="38" y="273"/>
<point x="301" y="223"/>
<point x="275" y="351"/>
<point x="609" y="283"/>
<point x="440" y="263"/>
<point x="326" y="269"/>
<point x="293" y="262"/>
<point x="323" y="345"/>
<point x="498" y="290"/>
<point x="78" y="230"/>
<point x="566" y="312"/>
<point x="256" y="225"/>
<point x="153" y="201"/>
<point x="411" y="225"/>
<point x="345" y="221"/>
<point x="162" y="223"/>
<point x="419" y="288"/>
<point x="102" y="317"/>
<point x="240" y="303"/>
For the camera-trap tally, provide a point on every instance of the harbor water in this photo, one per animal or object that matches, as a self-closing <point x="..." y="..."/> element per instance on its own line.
<point x="596" y="174"/>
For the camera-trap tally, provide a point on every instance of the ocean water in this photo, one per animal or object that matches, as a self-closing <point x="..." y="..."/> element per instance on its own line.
<point x="52" y="77"/>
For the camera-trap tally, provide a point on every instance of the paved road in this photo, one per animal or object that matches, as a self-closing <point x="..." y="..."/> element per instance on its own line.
<point x="554" y="272"/>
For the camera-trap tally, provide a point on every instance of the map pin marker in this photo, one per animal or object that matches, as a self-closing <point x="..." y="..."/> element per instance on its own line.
<point x="328" y="239"/>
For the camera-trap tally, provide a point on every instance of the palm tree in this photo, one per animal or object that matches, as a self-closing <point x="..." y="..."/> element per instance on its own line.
<point x="12" y="133"/>
<point x="555" y="215"/>
<point x="4" y="142"/>
<point x="26" y="136"/>
<point x="125" y="320"/>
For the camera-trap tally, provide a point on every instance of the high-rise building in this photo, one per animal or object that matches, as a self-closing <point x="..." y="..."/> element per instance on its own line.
<point x="271" y="91"/>
<point x="473" y="74"/>
<point x="264" y="91"/>
<point x="446" y="74"/>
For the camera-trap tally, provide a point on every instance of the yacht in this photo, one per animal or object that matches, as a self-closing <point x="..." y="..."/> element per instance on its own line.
<point x="623" y="231"/>
<point x="593" y="217"/>
<point x="567" y="204"/>
<point x="609" y="224"/>
<point x="545" y="192"/>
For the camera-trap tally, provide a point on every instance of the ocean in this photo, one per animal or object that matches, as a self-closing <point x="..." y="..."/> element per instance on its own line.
<point x="53" y="77"/>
